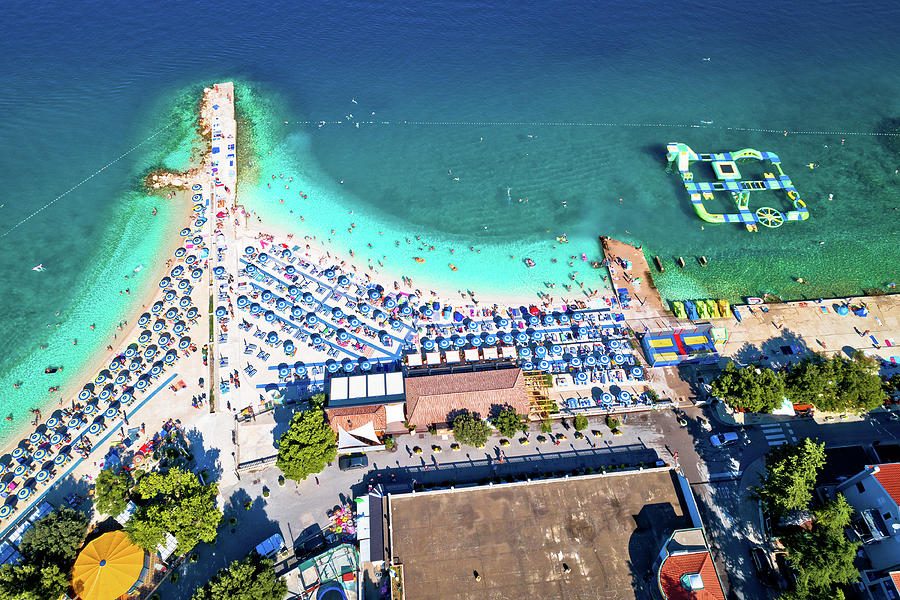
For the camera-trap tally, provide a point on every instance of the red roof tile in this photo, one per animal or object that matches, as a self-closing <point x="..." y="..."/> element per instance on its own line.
<point x="430" y="398"/>
<point x="889" y="477"/>
<point x="674" y="566"/>
<point x="356" y="416"/>
<point x="895" y="577"/>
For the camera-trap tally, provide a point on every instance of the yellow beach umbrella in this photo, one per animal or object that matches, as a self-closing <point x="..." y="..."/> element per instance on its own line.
<point x="107" y="567"/>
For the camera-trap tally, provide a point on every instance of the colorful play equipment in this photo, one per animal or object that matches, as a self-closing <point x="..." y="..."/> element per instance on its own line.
<point x="701" y="309"/>
<point x="725" y="168"/>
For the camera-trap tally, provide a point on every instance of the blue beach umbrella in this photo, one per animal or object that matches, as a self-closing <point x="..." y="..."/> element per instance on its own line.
<point x="490" y="339"/>
<point x="286" y="253"/>
<point x="185" y="232"/>
<point x="121" y="378"/>
<point x="272" y="338"/>
<point x="103" y="395"/>
<point x="156" y="369"/>
<point x="197" y="197"/>
<point x="503" y="323"/>
<point x="297" y="312"/>
<point x="405" y="310"/>
<point x="533" y="320"/>
<point x="618" y="359"/>
<point x="365" y="364"/>
<point x="115" y="364"/>
<point x="150" y="352"/>
<point x="142" y="383"/>
<point x="165" y="282"/>
<point x="606" y="398"/>
<point x="24" y="493"/>
<point x="337" y="313"/>
<point x="170" y="357"/>
<point x="169" y="296"/>
<point x="196" y="274"/>
<point x="427" y="311"/>
<point x="614" y="344"/>
<point x="527" y="366"/>
<point x="556" y="349"/>
<point x="39" y="455"/>
<point x="184" y="342"/>
<point x="396" y="324"/>
<point x="196" y="187"/>
<point x="384" y="337"/>
<point x="249" y="250"/>
<point x="288" y="347"/>
<point x="563" y="319"/>
<point x="540" y="351"/>
<point x="507" y="338"/>
<point x="192" y="312"/>
<point x="428" y="344"/>
<point x="316" y="340"/>
<point x="55" y="439"/>
<point x="270" y="316"/>
<point x="342" y="335"/>
<point x="343" y="281"/>
<point x="590" y="360"/>
<point x="537" y="336"/>
<point x="84" y="395"/>
<point x="251" y="269"/>
<point x="185" y="300"/>
<point x="473" y="326"/>
<point x="52" y="422"/>
<point x="219" y="271"/>
<point x="348" y="365"/>
<point x="144" y="319"/>
<point x="255" y="308"/>
<point x="159" y="325"/>
<point x="5" y="511"/>
<point x="389" y="302"/>
<point x="581" y="377"/>
<point x="364" y="309"/>
<point x="311" y="319"/>
<point x="267" y="296"/>
<point x="111" y="412"/>
<point x="604" y="359"/>
<point x="374" y="294"/>
<point x="101" y="376"/>
<point x="134" y="365"/>
<point x="157" y="307"/>
<point x="290" y="270"/>
<point x="354" y="322"/>
<point x="521" y="337"/>
<point x="179" y="327"/>
<point x="548" y="319"/>
<point x="19" y="452"/>
<point x="73" y="423"/>
<point x="525" y="352"/>
<point x="171" y="313"/>
<point x="378" y="315"/>
<point x="544" y="365"/>
<point x="299" y="369"/>
<point x="221" y="311"/>
<point x="625" y="396"/>
<point x="35" y="437"/>
<point x="332" y="366"/>
<point x="577" y="317"/>
<point x="575" y="362"/>
<point x="20" y="470"/>
<point x="176" y="271"/>
<point x="132" y="349"/>
<point x="444" y="343"/>
<point x="42" y="476"/>
<point x="308" y="298"/>
<point x="180" y="252"/>
<point x="190" y="259"/>
<point x="60" y="459"/>
<point x="637" y="372"/>
<point x="476" y="340"/>
<point x="283" y="370"/>
<point x="197" y="239"/>
<point x="329" y="273"/>
<point x="94" y="429"/>
<point x="125" y="398"/>
<point x="459" y="342"/>
<point x="263" y="257"/>
<point x="293" y="291"/>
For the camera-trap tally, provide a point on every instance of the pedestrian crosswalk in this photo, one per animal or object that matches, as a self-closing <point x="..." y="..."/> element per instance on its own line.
<point x="777" y="434"/>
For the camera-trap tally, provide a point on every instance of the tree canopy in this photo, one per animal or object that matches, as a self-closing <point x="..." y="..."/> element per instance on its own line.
<point x="791" y="471"/>
<point x="508" y="423"/>
<point x="469" y="429"/>
<point x="581" y="423"/>
<point x="111" y="491"/>
<point x="307" y="446"/>
<point x="749" y="388"/>
<point x="250" y="579"/>
<point x="836" y="384"/>
<point x="48" y="550"/>
<point x="835" y="515"/>
<point x="174" y="502"/>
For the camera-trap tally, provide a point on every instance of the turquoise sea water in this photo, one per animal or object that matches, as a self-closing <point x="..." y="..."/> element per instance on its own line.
<point x="446" y="82"/>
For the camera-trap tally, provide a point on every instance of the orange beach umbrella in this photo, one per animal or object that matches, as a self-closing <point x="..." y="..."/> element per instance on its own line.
<point x="107" y="567"/>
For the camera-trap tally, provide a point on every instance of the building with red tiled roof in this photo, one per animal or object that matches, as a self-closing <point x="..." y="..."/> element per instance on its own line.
<point x="874" y="495"/>
<point x="353" y="417"/>
<point x="686" y="570"/>
<point x="432" y="399"/>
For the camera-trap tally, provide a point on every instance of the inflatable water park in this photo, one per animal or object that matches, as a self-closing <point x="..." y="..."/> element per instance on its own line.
<point x="728" y="179"/>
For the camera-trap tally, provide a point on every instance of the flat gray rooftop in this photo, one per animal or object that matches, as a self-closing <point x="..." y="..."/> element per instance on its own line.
<point x="607" y="529"/>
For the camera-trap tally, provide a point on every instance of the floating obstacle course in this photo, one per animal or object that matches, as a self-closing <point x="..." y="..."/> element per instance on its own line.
<point x="729" y="180"/>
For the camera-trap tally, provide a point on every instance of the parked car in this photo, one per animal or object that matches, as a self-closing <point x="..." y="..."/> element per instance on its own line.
<point x="785" y="569"/>
<point x="723" y="439"/>
<point x="763" y="567"/>
<point x="348" y="462"/>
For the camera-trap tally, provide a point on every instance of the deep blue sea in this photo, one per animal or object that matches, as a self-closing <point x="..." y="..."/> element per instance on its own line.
<point x="566" y="104"/>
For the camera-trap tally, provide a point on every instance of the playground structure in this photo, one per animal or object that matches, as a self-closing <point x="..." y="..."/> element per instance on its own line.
<point x="725" y="167"/>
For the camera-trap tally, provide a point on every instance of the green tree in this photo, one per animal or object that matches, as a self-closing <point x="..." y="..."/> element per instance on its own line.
<point x="791" y="471"/>
<point x="174" y="502"/>
<point x="469" y="429"/>
<point x="749" y="388"/>
<point x="28" y="581"/>
<point x="307" y="446"/>
<point x="581" y="423"/>
<point x="250" y="579"/>
<point x="823" y="559"/>
<point x="111" y="491"/>
<point x="836" y="384"/>
<point x="55" y="539"/>
<point x="509" y="423"/>
<point x="835" y="515"/>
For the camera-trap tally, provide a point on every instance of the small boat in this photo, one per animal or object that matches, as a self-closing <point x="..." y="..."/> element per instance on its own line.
<point x="702" y="260"/>
<point x="529" y="262"/>
<point x="453" y="267"/>
<point x="418" y="259"/>
<point x="55" y="388"/>
<point x="659" y="264"/>
<point x="680" y="262"/>
<point x="40" y="267"/>
<point x="50" y="370"/>
<point x="754" y="300"/>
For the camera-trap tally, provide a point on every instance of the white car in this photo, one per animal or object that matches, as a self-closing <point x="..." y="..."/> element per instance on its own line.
<point x="723" y="439"/>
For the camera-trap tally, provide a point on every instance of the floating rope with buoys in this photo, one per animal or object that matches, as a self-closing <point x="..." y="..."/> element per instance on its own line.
<point x="85" y="180"/>
<point x="355" y="122"/>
